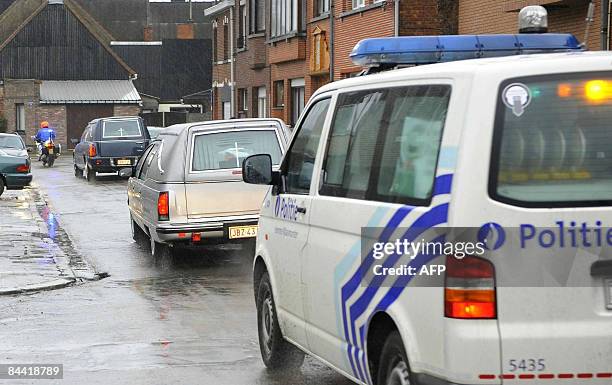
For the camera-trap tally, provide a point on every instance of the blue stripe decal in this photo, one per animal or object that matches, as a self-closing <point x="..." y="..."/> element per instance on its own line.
<point x="436" y="216"/>
<point x="353" y="283"/>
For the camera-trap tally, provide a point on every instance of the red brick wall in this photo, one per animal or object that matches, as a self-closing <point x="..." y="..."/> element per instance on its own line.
<point x="377" y="22"/>
<point x="428" y="17"/>
<point x="56" y="116"/>
<point x="287" y="50"/>
<point x="126" y="110"/>
<point x="489" y="16"/>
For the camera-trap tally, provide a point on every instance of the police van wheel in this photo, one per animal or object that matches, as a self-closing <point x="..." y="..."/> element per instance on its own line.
<point x="393" y="369"/>
<point x="1" y="186"/>
<point x="276" y="352"/>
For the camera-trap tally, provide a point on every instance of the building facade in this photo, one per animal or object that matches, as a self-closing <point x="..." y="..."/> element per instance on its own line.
<point x="270" y="56"/>
<point x="566" y="16"/>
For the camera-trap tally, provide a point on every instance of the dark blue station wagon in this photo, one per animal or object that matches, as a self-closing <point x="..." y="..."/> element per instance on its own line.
<point x="110" y="144"/>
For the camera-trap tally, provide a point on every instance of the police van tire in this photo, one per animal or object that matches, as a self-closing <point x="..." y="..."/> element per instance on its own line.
<point x="393" y="364"/>
<point x="1" y="186"/>
<point x="276" y="352"/>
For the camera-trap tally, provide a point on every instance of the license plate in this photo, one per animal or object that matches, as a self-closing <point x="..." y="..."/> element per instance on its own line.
<point x="124" y="162"/>
<point x="50" y="151"/>
<point x="242" y="232"/>
<point x="608" y="289"/>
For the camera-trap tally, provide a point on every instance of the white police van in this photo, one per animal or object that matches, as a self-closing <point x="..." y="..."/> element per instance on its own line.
<point x="519" y="146"/>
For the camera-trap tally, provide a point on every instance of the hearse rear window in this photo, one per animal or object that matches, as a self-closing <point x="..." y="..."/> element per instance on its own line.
<point x="227" y="150"/>
<point x="121" y="129"/>
<point x="553" y="142"/>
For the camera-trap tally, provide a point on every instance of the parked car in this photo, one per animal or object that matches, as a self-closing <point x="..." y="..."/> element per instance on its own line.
<point x="188" y="188"/>
<point x="154" y="131"/>
<point x="14" y="163"/>
<point x="110" y="144"/>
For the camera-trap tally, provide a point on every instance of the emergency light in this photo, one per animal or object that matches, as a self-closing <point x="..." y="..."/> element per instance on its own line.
<point x="414" y="50"/>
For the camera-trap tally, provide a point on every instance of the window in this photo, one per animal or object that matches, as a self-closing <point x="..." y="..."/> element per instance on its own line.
<point x="145" y="162"/>
<point x="279" y="93"/>
<point x="227" y="110"/>
<point x="555" y="148"/>
<point x="20" y="118"/>
<point x="384" y="144"/>
<point x="242" y="99"/>
<point x="297" y="99"/>
<point x="11" y="141"/>
<point x="262" y="105"/>
<point x="242" y="27"/>
<point x="215" y="43"/>
<point x="229" y="149"/>
<point x="121" y="129"/>
<point x="226" y="48"/>
<point x="283" y="17"/>
<point x="321" y="7"/>
<point x="358" y="4"/>
<point x="301" y="157"/>
<point x="258" y="13"/>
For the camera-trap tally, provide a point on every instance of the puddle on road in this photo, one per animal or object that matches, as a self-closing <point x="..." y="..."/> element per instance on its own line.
<point x="58" y="238"/>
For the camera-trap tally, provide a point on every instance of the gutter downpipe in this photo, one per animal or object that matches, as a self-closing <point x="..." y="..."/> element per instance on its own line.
<point x="232" y="66"/>
<point x="396" y="17"/>
<point x="605" y="25"/>
<point x="332" y="37"/>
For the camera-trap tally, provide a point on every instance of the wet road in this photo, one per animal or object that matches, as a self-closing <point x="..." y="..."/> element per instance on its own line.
<point x="190" y="320"/>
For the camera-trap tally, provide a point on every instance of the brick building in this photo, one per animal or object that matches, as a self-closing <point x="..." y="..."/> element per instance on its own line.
<point x="270" y="56"/>
<point x="56" y="64"/>
<point x="568" y="16"/>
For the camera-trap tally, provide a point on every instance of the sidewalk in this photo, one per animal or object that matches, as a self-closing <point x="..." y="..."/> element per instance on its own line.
<point x="30" y="260"/>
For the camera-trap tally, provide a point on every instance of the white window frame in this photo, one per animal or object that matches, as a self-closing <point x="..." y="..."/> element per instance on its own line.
<point x="359" y="3"/>
<point x="283" y="17"/>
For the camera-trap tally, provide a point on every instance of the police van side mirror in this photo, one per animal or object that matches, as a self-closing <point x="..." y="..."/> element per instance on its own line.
<point x="257" y="169"/>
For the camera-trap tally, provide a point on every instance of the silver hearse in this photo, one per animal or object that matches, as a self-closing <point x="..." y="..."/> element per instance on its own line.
<point x="187" y="188"/>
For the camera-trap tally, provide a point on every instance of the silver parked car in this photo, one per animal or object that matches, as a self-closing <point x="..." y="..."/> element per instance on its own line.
<point x="187" y="188"/>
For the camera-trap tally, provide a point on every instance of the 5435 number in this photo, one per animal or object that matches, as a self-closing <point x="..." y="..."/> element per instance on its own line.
<point x="527" y="365"/>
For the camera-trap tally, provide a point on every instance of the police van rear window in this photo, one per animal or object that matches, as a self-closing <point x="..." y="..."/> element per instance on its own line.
<point x="553" y="141"/>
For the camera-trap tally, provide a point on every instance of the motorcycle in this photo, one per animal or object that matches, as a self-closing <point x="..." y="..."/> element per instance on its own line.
<point x="50" y="152"/>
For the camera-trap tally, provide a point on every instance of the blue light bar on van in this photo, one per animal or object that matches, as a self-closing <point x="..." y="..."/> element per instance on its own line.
<point x="414" y="50"/>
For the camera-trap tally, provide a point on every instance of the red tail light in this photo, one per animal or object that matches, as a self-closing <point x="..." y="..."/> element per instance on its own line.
<point x="163" y="209"/>
<point x="469" y="291"/>
<point x="92" y="150"/>
<point x="24" y="168"/>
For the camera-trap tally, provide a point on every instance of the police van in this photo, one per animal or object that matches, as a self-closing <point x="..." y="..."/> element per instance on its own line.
<point x="517" y="144"/>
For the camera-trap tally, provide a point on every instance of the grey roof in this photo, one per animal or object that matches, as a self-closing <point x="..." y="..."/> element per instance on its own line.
<point x="89" y="92"/>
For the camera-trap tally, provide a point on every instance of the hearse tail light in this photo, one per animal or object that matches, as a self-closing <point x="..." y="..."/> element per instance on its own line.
<point x="469" y="291"/>
<point x="163" y="209"/>
<point x="24" y="168"/>
<point x="92" y="150"/>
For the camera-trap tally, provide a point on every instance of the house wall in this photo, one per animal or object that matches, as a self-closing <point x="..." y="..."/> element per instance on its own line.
<point x="353" y="26"/>
<point x="126" y="110"/>
<point x="492" y="16"/>
<point x="26" y="92"/>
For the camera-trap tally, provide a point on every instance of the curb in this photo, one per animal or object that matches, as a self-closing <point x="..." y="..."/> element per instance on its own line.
<point x="49" y="285"/>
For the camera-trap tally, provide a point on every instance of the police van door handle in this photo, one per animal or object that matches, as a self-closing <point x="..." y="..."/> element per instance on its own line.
<point x="301" y="210"/>
<point x="602" y="268"/>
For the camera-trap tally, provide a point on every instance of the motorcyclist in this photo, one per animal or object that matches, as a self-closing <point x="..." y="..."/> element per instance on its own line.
<point x="44" y="134"/>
